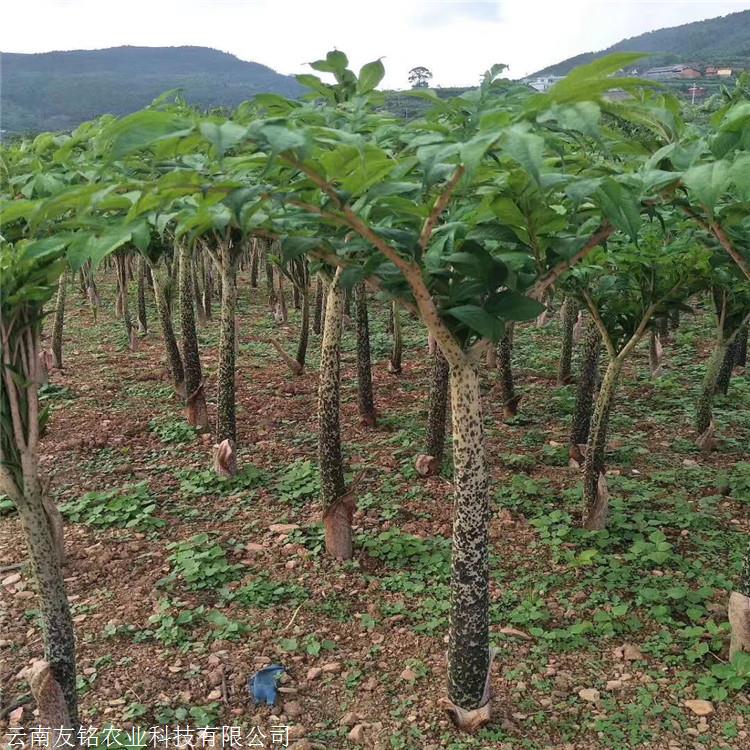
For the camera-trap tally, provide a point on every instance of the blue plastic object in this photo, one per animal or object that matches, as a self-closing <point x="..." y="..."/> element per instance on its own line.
<point x="262" y="685"/>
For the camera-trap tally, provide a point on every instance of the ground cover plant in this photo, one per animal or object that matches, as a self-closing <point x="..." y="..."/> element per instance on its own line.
<point x="225" y="506"/>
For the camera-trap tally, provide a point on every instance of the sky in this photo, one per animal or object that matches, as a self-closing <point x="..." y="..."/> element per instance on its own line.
<point x="456" y="40"/>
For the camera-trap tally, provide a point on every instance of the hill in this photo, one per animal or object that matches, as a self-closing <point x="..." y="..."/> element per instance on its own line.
<point x="715" y="41"/>
<point x="59" y="90"/>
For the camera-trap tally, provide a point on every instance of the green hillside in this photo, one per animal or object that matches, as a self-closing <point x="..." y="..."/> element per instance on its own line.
<point x="59" y="90"/>
<point x="715" y="41"/>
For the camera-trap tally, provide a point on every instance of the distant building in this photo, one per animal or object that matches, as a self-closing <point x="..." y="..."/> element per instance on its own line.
<point x="710" y="72"/>
<point x="672" y="71"/>
<point x="542" y="83"/>
<point x="724" y="72"/>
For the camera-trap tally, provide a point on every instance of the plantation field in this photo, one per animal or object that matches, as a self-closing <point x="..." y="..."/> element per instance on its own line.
<point x="183" y="584"/>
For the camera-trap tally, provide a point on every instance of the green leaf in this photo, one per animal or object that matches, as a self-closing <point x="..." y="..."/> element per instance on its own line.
<point x="224" y="136"/>
<point x="620" y="206"/>
<point x="707" y="182"/>
<point x="511" y="305"/>
<point x="740" y="175"/>
<point x="486" y="325"/>
<point x="314" y="83"/>
<point x="142" y="129"/>
<point x="527" y="149"/>
<point x="370" y="75"/>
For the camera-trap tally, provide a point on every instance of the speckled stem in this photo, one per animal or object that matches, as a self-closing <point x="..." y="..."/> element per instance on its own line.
<point x="364" y="367"/>
<point x="330" y="459"/>
<point x="304" y="329"/>
<point x="396" y="351"/>
<point x="318" y="311"/>
<point x="592" y="346"/>
<point x="225" y="412"/>
<point x="57" y="329"/>
<point x="468" y="644"/>
<point x="569" y="316"/>
<point x="162" y="284"/>
<point x="438" y="407"/>
<point x="727" y="365"/>
<point x="741" y="358"/>
<point x="142" y="319"/>
<point x="196" y="411"/>
<point x="704" y="409"/>
<point x="254" y="265"/>
<point x="595" y="512"/>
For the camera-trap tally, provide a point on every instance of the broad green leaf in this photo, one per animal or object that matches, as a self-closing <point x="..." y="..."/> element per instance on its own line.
<point x="527" y="149"/>
<point x="370" y="75"/>
<point x="478" y="320"/>
<point x="707" y="182"/>
<point x="142" y="129"/>
<point x="224" y="136"/>
<point x="511" y="305"/>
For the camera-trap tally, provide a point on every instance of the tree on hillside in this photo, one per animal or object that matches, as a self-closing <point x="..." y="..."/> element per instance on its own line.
<point x="419" y="77"/>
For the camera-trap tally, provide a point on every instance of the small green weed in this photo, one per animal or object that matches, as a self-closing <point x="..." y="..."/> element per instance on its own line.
<point x="130" y="506"/>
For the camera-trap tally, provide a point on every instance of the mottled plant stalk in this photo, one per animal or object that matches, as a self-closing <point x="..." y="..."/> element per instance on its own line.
<point x="281" y="310"/>
<point x="197" y="414"/>
<point x="725" y="371"/>
<point x="57" y="328"/>
<point x="208" y="288"/>
<point x="162" y="294"/>
<point x="394" y="363"/>
<point x="20" y="480"/>
<point x="437" y="409"/>
<point x="122" y="283"/>
<point x="364" y="367"/>
<point x="468" y="646"/>
<point x="569" y="316"/>
<point x="296" y="297"/>
<point x="226" y="425"/>
<point x="594" y="501"/>
<point x="579" y="433"/>
<point x="337" y="513"/>
<point x="508" y="395"/>
<point x="254" y="265"/>
<point x="270" y="285"/>
<point x="318" y="311"/>
<point x="198" y="279"/>
<point x="704" y="409"/>
<point x="741" y="358"/>
<point x="304" y="330"/>
<point x="142" y="319"/>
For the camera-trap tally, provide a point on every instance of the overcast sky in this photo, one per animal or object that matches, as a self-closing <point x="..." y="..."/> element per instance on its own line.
<point x="455" y="40"/>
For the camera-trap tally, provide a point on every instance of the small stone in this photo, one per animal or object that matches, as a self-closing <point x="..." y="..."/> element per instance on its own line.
<point x="11" y="579"/>
<point x="357" y="734"/>
<point x="283" y="528"/>
<point x="214" y="677"/>
<point x="349" y="719"/>
<point x="254" y="548"/>
<point x="313" y="673"/>
<point x="214" y="695"/>
<point x="632" y="653"/>
<point x="700" y="707"/>
<point x="292" y="709"/>
<point x="409" y="675"/>
<point x="332" y="667"/>
<point x="613" y="685"/>
<point x="589" y="694"/>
